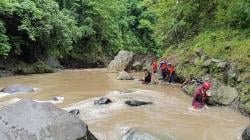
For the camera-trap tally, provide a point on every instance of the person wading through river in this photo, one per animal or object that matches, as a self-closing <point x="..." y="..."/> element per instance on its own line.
<point x="163" y="68"/>
<point x="170" y="72"/>
<point x="200" y="96"/>
<point x="154" y="68"/>
<point x="147" y="77"/>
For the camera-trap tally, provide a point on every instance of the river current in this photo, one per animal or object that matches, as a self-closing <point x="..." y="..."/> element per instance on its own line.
<point x="169" y="115"/>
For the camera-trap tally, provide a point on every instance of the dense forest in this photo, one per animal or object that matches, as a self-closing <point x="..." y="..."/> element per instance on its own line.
<point x="91" y="32"/>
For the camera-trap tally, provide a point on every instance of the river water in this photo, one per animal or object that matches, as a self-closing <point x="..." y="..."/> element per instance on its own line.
<point x="167" y="117"/>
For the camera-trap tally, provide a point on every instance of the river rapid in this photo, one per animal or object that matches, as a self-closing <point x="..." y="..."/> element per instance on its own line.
<point x="168" y="117"/>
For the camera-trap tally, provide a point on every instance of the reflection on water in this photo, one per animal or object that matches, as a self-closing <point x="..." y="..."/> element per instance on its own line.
<point x="168" y="116"/>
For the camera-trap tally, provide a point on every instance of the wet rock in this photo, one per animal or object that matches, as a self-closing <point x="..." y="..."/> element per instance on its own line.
<point x="17" y="88"/>
<point x="74" y="111"/>
<point x="246" y="134"/>
<point x="121" y="61"/>
<point x="133" y="134"/>
<point x="57" y="98"/>
<point x="224" y="95"/>
<point x="30" y="120"/>
<point x="124" y="76"/>
<point x="102" y="101"/>
<point x="137" y="103"/>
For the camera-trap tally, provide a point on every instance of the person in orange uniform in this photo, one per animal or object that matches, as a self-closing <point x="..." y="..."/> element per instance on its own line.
<point x="154" y="66"/>
<point x="171" y="71"/>
<point x="163" y="68"/>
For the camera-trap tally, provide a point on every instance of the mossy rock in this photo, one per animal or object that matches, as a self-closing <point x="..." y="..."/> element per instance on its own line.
<point x="41" y="67"/>
<point x="38" y="67"/>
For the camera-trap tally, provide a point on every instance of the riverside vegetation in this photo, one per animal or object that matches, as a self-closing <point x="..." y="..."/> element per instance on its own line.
<point x="208" y="36"/>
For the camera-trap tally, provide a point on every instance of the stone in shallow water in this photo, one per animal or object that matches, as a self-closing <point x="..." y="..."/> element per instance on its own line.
<point x="246" y="133"/>
<point x="74" y="111"/>
<point x="124" y="76"/>
<point x="133" y="134"/>
<point x="102" y="101"/>
<point x="137" y="103"/>
<point x="17" y="88"/>
<point x="29" y="120"/>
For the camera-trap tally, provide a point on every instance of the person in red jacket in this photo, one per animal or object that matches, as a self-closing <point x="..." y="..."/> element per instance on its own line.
<point x="154" y="66"/>
<point x="200" y="96"/>
<point x="163" y="68"/>
<point x="171" y="71"/>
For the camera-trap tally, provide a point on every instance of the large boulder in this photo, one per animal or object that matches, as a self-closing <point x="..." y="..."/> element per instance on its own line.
<point x="17" y="88"/>
<point x="137" y="103"/>
<point x="133" y="134"/>
<point x="124" y="76"/>
<point x="141" y="61"/>
<point x="246" y="134"/>
<point x="121" y="61"/>
<point x="222" y="94"/>
<point x="29" y="120"/>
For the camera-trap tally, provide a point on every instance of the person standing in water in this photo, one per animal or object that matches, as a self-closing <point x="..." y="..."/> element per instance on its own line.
<point x="200" y="96"/>
<point x="154" y="66"/>
<point x="171" y="71"/>
<point x="147" y="77"/>
<point x="163" y="68"/>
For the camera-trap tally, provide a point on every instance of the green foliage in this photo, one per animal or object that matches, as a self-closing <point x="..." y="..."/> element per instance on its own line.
<point x="4" y="45"/>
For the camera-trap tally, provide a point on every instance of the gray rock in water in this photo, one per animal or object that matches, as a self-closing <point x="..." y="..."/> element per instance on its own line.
<point x="102" y="101"/>
<point x="225" y="95"/>
<point x="17" y="88"/>
<point x="121" y="61"/>
<point x="246" y="134"/>
<point x="74" y="111"/>
<point x="124" y="76"/>
<point x="133" y="134"/>
<point x="137" y="103"/>
<point x="29" y="120"/>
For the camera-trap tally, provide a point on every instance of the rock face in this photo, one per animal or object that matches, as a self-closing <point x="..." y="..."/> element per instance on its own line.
<point x="121" y="61"/>
<point x="124" y="76"/>
<point x="141" y="61"/>
<point x="246" y="134"/>
<point x="53" y="63"/>
<point x="133" y="134"/>
<point x="137" y="103"/>
<point x="224" y="95"/>
<point x="102" y="101"/>
<point x="29" y="120"/>
<point x="17" y="88"/>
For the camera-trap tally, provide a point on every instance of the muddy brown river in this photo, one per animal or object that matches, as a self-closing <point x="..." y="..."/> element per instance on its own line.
<point x="167" y="117"/>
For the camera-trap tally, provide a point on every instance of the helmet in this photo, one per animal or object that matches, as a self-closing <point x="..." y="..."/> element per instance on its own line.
<point x="169" y="63"/>
<point x="206" y="85"/>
